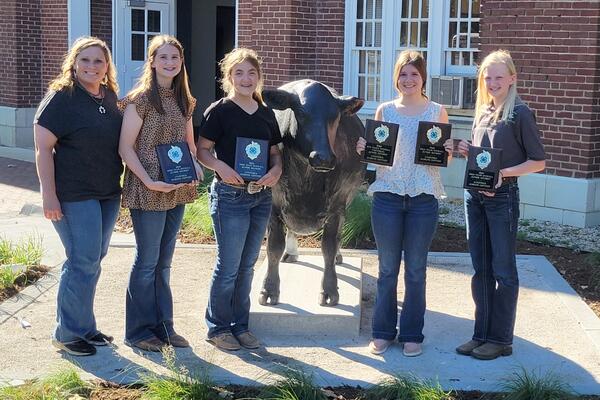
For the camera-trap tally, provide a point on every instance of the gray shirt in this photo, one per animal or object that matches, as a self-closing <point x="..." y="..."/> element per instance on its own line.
<point x="519" y="137"/>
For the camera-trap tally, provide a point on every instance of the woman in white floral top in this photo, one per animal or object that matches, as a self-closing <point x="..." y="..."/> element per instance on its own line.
<point x="405" y="210"/>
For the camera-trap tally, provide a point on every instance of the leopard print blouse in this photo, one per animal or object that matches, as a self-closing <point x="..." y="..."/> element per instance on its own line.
<point x="156" y="129"/>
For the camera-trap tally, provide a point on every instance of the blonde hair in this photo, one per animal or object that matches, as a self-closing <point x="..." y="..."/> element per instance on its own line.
<point x="66" y="79"/>
<point x="484" y="99"/>
<point x="148" y="85"/>
<point x="237" y="56"/>
<point x="414" y="58"/>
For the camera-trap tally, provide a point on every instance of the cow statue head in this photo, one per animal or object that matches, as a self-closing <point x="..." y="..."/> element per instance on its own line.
<point x="310" y="115"/>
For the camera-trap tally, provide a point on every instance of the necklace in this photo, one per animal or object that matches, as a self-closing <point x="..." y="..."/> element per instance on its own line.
<point x="101" y="108"/>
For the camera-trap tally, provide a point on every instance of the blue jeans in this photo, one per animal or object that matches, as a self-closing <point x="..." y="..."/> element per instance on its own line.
<point x="492" y="224"/>
<point x="149" y="303"/>
<point x="84" y="231"/>
<point x="402" y="223"/>
<point x="239" y="221"/>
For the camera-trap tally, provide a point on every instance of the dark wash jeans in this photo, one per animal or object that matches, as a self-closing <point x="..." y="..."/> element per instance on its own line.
<point x="85" y="231"/>
<point x="149" y="302"/>
<point x="239" y="221"/>
<point x="402" y="224"/>
<point x="492" y="224"/>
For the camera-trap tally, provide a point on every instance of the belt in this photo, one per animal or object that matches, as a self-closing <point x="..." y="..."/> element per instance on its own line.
<point x="509" y="179"/>
<point x="250" y="187"/>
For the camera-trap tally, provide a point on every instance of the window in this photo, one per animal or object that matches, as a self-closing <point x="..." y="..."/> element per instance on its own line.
<point x="145" y="24"/>
<point x="368" y="48"/>
<point x="446" y="33"/>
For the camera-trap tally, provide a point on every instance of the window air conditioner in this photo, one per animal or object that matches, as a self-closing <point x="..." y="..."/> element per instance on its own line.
<point x="454" y="91"/>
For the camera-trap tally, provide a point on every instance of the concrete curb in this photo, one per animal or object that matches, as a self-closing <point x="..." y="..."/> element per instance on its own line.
<point x="28" y="296"/>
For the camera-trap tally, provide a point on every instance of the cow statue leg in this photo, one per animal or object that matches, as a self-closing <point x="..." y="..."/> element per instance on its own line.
<point x="291" y="248"/>
<point x="330" y="245"/>
<point x="269" y="295"/>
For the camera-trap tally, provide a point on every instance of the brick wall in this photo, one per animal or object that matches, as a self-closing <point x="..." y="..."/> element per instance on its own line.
<point x="101" y="20"/>
<point x="296" y="39"/>
<point x="556" y="47"/>
<point x="33" y="40"/>
<point x="54" y="40"/>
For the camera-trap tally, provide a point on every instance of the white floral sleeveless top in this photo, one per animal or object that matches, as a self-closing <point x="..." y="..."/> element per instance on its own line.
<point x="405" y="177"/>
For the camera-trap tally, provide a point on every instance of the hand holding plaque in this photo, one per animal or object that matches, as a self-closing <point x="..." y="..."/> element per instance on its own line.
<point x="381" y="140"/>
<point x="176" y="163"/>
<point x="430" y="143"/>
<point x="483" y="167"/>
<point x="251" y="158"/>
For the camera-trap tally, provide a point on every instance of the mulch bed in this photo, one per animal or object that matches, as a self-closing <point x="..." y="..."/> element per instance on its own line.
<point x="29" y="277"/>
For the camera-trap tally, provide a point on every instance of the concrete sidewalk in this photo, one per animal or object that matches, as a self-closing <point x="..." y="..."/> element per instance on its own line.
<point x="555" y="330"/>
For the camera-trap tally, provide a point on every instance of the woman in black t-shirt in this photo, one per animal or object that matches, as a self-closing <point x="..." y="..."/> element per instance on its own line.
<point x="76" y="131"/>
<point x="240" y="208"/>
<point x="502" y="121"/>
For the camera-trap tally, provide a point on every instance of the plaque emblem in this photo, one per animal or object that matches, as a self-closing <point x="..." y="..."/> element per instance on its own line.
<point x="175" y="154"/>
<point x="253" y="150"/>
<point x="483" y="159"/>
<point x="381" y="133"/>
<point x="434" y="134"/>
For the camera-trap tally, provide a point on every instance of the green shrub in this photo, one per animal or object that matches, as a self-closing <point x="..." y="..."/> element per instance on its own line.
<point x="402" y="387"/>
<point x="27" y="251"/>
<point x="196" y="219"/>
<point x="294" y="385"/>
<point x="357" y="226"/>
<point x="63" y="385"/>
<point x="525" y="385"/>
<point x="181" y="384"/>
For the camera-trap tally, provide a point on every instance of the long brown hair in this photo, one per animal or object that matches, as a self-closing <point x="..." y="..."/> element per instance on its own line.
<point x="414" y="58"/>
<point x="237" y="56"/>
<point x="147" y="82"/>
<point x="66" y="79"/>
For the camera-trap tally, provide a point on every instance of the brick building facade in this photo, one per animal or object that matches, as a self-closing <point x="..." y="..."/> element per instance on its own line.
<point x="555" y="45"/>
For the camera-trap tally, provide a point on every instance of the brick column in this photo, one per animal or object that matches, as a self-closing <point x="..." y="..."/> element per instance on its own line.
<point x="296" y="39"/>
<point x="101" y="20"/>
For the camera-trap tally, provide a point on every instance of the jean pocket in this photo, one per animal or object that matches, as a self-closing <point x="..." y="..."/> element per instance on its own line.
<point x="228" y="193"/>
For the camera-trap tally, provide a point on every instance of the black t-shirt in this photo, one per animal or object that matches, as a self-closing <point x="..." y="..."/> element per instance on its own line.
<point x="87" y="164"/>
<point x="224" y="121"/>
<point x="519" y="138"/>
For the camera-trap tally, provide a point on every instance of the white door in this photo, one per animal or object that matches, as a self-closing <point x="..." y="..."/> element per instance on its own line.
<point x="135" y="27"/>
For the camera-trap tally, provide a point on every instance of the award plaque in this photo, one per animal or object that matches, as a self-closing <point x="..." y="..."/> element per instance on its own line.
<point x="251" y="158"/>
<point x="381" y="142"/>
<point x="483" y="165"/>
<point x="430" y="143"/>
<point x="176" y="163"/>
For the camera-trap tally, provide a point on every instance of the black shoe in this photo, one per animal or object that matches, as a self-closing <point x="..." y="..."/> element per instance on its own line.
<point x="77" y="348"/>
<point x="100" y="339"/>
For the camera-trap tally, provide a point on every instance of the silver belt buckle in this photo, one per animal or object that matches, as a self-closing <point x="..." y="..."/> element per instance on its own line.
<point x="254" y="188"/>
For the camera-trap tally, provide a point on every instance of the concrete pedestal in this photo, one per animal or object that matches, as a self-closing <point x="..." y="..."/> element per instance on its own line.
<point x="298" y="311"/>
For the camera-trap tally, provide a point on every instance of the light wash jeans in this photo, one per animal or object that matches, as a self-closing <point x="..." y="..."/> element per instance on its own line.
<point x="85" y="231"/>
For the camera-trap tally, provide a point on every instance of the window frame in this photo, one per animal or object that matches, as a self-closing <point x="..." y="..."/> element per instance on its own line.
<point x="438" y="57"/>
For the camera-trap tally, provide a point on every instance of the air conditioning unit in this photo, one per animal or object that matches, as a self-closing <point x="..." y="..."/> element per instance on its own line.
<point x="454" y="91"/>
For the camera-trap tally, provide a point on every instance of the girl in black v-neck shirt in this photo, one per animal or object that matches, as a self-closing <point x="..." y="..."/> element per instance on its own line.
<point x="239" y="212"/>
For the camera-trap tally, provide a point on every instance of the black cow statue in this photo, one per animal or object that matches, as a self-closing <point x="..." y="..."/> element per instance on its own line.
<point x="321" y="174"/>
